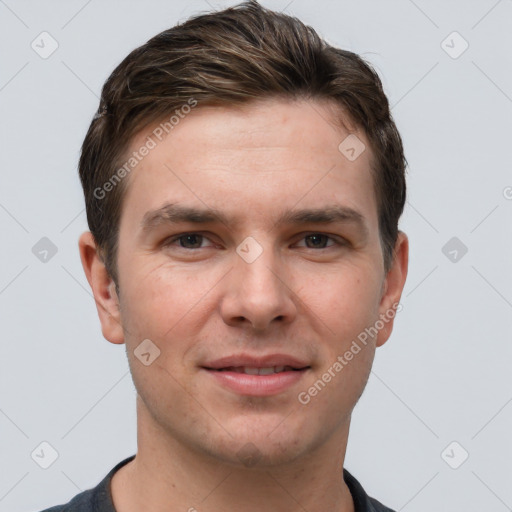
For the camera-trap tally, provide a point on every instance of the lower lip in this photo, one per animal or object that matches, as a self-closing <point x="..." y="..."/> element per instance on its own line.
<point x="257" y="385"/>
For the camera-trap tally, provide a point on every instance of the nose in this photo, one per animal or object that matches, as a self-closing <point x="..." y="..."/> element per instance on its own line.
<point x="258" y="294"/>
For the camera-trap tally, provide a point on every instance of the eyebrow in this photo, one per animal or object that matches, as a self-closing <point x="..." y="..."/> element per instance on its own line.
<point x="175" y="213"/>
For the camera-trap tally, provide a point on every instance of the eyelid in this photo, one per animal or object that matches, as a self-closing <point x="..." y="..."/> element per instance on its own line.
<point x="338" y="240"/>
<point x="174" y="238"/>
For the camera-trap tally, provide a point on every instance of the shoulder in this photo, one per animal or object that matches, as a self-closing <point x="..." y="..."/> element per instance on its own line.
<point x="362" y="502"/>
<point x="82" y="502"/>
<point x="378" y="506"/>
<point x="97" y="499"/>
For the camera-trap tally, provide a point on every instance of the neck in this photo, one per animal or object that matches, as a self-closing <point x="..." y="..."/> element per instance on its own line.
<point x="168" y="476"/>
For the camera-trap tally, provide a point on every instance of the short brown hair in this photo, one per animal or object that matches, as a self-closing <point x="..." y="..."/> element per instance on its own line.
<point x="230" y="57"/>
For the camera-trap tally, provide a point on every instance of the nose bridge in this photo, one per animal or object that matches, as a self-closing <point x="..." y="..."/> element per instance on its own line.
<point x="259" y="276"/>
<point x="256" y="292"/>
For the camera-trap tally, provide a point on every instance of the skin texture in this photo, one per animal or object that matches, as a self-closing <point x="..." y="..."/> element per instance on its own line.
<point x="309" y="297"/>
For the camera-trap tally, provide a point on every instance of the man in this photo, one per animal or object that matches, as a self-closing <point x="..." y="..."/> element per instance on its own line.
<point x="243" y="183"/>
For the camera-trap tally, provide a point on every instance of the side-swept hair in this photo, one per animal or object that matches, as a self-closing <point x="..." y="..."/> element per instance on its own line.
<point x="242" y="53"/>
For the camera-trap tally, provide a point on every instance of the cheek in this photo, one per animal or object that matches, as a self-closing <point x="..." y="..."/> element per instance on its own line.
<point x="345" y="299"/>
<point x="160" y="298"/>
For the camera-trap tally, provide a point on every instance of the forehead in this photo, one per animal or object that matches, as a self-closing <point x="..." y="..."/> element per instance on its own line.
<point x="266" y="153"/>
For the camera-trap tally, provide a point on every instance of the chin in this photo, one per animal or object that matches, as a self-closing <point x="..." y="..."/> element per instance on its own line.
<point x="256" y="454"/>
<point x="264" y="442"/>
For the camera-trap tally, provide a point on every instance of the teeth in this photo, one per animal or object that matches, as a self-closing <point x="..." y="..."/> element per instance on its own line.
<point x="263" y="371"/>
<point x="251" y="370"/>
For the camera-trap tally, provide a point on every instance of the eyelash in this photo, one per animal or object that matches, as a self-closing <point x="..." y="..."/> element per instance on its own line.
<point x="176" y="238"/>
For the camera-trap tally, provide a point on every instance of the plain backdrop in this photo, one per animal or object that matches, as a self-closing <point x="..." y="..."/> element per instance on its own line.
<point x="441" y="388"/>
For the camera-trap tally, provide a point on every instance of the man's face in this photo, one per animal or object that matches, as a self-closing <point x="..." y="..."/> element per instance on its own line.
<point x="281" y="268"/>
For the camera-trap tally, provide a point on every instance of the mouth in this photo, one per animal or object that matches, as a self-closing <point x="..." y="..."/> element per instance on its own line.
<point x="257" y="376"/>
<point x="254" y="370"/>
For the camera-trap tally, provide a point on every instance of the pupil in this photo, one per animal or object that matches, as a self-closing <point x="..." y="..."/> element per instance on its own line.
<point x="188" y="240"/>
<point x="317" y="240"/>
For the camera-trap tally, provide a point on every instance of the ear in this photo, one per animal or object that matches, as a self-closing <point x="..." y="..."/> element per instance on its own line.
<point x="392" y="288"/>
<point x="103" y="289"/>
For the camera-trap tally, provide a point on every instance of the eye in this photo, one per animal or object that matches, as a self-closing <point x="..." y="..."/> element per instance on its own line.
<point x="319" y="241"/>
<point x="188" y="241"/>
<point x="191" y="241"/>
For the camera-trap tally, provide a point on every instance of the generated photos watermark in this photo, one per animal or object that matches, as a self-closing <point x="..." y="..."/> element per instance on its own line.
<point x="157" y="135"/>
<point x="305" y="397"/>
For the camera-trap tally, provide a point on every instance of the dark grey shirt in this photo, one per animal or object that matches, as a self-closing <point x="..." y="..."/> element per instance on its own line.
<point x="99" y="499"/>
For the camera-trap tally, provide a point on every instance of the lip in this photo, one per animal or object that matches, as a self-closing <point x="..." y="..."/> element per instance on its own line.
<point x="255" y="361"/>
<point x="256" y="385"/>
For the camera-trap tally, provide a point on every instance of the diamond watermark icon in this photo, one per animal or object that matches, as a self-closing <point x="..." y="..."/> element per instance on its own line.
<point x="44" y="455"/>
<point x="146" y="352"/>
<point x="249" y="250"/>
<point x="44" y="250"/>
<point x="454" y="249"/>
<point x="44" y="45"/>
<point x="454" y="455"/>
<point x="351" y="147"/>
<point x="454" y="45"/>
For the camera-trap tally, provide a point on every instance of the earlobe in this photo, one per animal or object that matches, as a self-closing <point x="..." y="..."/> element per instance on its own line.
<point x="393" y="287"/>
<point x="103" y="289"/>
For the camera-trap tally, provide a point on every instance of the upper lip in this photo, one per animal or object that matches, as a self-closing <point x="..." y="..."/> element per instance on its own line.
<point x="256" y="361"/>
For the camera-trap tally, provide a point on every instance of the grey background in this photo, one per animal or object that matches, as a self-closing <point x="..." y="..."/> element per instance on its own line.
<point x="444" y="375"/>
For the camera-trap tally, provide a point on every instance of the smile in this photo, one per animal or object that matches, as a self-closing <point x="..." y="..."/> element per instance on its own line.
<point x="252" y="376"/>
<point x="251" y="370"/>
